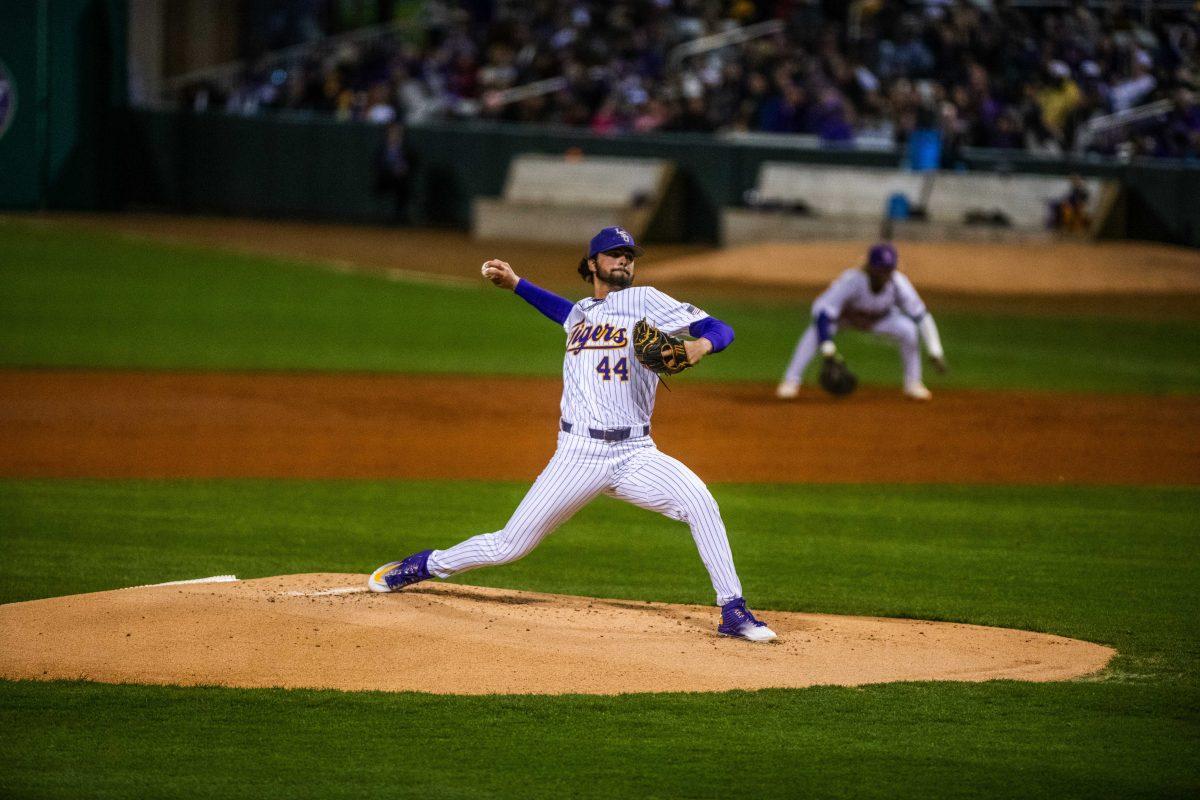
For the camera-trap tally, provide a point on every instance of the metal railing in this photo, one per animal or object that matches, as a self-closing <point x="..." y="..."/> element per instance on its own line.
<point x="702" y="44"/>
<point x="1098" y="126"/>
<point x="502" y="97"/>
<point x="230" y="69"/>
<point x="716" y="41"/>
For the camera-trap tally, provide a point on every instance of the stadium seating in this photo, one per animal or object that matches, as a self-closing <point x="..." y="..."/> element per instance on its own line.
<point x="568" y="199"/>
<point x="801" y="201"/>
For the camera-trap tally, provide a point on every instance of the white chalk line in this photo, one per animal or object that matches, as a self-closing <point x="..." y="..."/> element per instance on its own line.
<point x="340" y="590"/>
<point x="212" y="579"/>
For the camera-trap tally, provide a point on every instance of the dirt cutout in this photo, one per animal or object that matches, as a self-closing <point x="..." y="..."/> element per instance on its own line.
<point x="113" y="424"/>
<point x="326" y="631"/>
<point x="1131" y="268"/>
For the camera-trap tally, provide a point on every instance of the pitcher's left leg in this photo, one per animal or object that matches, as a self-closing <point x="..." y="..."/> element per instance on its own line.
<point x="657" y="482"/>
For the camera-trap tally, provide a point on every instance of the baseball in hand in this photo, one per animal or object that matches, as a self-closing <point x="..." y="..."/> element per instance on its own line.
<point x="499" y="273"/>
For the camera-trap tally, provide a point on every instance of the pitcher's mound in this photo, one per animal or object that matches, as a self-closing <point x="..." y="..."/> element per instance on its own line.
<point x="326" y="631"/>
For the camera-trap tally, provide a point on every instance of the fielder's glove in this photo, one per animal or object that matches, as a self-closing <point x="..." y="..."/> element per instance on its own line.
<point x="657" y="351"/>
<point x="836" y="378"/>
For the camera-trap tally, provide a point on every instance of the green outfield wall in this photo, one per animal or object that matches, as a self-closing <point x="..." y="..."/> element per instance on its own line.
<point x="64" y="74"/>
<point x="320" y="169"/>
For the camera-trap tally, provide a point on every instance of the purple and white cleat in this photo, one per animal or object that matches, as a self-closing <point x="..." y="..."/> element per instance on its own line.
<point x="395" y="575"/>
<point x="737" y="621"/>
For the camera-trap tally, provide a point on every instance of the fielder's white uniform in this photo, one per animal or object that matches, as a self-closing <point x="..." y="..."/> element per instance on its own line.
<point x="896" y="312"/>
<point x="604" y="444"/>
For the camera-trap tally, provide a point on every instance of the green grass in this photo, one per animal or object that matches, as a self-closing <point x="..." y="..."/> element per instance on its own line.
<point x="990" y="351"/>
<point x="1118" y="566"/>
<point x="81" y="299"/>
<point x="906" y="740"/>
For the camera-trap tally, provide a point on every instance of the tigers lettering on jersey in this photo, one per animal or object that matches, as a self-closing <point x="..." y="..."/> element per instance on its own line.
<point x="604" y="386"/>
<point x="595" y="337"/>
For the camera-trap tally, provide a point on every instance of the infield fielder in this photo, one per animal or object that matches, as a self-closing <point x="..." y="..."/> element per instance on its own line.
<point x="878" y="299"/>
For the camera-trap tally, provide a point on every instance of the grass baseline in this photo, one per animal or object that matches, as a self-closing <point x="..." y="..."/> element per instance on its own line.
<point x="87" y="299"/>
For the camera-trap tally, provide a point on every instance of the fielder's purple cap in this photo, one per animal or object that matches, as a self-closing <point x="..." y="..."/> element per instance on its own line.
<point x="882" y="257"/>
<point x="611" y="239"/>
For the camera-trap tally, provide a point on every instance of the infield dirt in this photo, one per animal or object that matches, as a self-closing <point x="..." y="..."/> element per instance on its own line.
<point x="106" y="424"/>
<point x="326" y="631"/>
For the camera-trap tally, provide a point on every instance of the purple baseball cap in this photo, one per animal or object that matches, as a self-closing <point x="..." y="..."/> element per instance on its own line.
<point x="611" y="239"/>
<point x="882" y="257"/>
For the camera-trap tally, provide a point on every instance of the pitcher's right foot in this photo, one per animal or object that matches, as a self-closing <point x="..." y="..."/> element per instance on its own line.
<point x="395" y="575"/>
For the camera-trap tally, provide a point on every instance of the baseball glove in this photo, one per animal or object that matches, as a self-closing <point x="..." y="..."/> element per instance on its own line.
<point x="836" y="377"/>
<point x="657" y="351"/>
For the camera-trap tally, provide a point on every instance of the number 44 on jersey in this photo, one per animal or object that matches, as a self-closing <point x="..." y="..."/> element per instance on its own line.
<point x="620" y="369"/>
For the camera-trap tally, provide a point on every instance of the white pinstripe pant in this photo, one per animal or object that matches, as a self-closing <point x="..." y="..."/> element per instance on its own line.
<point x="633" y="470"/>
<point x="895" y="326"/>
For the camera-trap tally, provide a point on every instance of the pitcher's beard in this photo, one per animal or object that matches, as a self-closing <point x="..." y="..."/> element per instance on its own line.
<point x="618" y="281"/>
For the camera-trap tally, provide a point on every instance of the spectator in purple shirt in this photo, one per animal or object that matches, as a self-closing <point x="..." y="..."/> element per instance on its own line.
<point x="785" y="112"/>
<point x="829" y="119"/>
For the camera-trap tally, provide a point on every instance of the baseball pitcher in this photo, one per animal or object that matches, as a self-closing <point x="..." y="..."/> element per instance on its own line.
<point x="617" y="343"/>
<point x="876" y="298"/>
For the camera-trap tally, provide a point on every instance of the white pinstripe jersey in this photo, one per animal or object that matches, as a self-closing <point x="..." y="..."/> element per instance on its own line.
<point x="604" y="385"/>
<point x="851" y="296"/>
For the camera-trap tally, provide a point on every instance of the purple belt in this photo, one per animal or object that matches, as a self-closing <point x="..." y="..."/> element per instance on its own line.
<point x="606" y="434"/>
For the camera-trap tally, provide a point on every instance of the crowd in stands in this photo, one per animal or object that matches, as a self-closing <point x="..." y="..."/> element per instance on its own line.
<point x="983" y="73"/>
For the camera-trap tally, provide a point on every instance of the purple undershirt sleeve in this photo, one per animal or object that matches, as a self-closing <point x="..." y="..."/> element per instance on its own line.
<point x="713" y="329"/>
<point x="555" y="307"/>
<point x="823" y="327"/>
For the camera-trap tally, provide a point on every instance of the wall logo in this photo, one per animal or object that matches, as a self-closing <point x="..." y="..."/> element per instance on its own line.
<point x="8" y="98"/>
